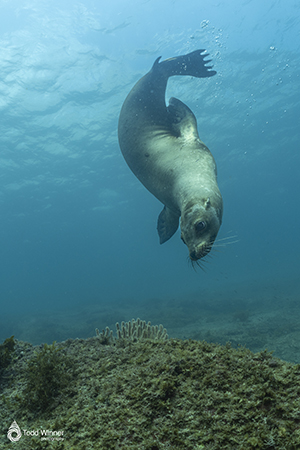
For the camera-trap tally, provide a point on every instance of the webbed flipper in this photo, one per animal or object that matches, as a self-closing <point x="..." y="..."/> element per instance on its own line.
<point x="167" y="224"/>
<point x="192" y="64"/>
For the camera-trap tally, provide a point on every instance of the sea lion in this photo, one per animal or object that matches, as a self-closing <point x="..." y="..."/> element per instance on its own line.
<point x="162" y="147"/>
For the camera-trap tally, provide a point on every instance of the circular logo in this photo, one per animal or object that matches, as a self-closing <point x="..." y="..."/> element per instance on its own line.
<point x="14" y="428"/>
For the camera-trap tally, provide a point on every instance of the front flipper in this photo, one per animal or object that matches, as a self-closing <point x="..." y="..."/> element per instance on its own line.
<point x="167" y="224"/>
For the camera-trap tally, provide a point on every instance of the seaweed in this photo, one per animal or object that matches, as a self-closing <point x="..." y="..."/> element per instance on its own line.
<point x="46" y="375"/>
<point x="6" y="352"/>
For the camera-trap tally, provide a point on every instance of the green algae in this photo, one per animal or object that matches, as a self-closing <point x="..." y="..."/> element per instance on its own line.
<point x="6" y="353"/>
<point x="171" y="394"/>
<point x="45" y="377"/>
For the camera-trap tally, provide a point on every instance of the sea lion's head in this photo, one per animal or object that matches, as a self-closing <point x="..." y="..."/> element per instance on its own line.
<point x="200" y="223"/>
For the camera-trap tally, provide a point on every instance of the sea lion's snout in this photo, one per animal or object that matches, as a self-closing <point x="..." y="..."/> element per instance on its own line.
<point x="199" y="225"/>
<point x="201" y="251"/>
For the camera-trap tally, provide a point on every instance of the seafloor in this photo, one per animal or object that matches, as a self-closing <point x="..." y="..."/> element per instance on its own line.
<point x="147" y="395"/>
<point x="200" y="389"/>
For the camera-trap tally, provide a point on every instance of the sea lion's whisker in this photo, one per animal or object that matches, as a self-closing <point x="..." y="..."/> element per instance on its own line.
<point x="199" y="263"/>
<point x="214" y="249"/>
<point x="225" y="238"/>
<point x="224" y="244"/>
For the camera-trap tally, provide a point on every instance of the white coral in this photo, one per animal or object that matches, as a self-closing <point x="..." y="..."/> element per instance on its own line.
<point x="133" y="330"/>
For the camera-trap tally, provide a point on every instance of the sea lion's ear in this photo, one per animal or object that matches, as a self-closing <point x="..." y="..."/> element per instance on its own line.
<point x="207" y="203"/>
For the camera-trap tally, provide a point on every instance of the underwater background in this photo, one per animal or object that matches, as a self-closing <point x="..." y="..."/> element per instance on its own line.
<point x="79" y="246"/>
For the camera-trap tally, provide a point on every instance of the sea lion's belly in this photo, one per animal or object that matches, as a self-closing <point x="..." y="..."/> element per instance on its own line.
<point x="171" y="168"/>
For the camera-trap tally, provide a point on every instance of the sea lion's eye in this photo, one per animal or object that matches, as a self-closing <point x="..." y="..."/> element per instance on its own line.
<point x="200" y="226"/>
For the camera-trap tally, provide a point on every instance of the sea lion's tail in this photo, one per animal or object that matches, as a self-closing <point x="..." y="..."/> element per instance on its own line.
<point x="192" y="64"/>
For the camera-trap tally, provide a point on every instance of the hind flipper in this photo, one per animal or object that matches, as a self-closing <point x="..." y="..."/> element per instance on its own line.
<point x="192" y="64"/>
